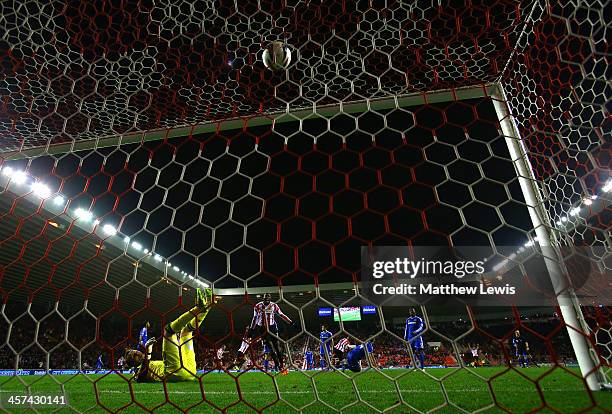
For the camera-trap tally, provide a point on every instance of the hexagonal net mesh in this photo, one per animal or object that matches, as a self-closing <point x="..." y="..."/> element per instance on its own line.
<point x="146" y="152"/>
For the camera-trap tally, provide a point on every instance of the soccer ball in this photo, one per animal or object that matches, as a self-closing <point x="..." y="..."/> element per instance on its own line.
<point x="276" y="56"/>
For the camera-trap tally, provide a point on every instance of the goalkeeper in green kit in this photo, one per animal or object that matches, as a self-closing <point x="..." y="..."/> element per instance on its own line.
<point x="178" y="356"/>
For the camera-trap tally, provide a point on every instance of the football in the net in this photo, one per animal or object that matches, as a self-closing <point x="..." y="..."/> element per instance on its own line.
<point x="276" y="56"/>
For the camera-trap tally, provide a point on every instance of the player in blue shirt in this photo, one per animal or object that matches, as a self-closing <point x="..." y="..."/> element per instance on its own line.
<point x="412" y="333"/>
<point x="357" y="353"/>
<point x="266" y="357"/>
<point x="99" y="363"/>
<point x="309" y="360"/>
<point x="521" y="349"/>
<point x="326" y="342"/>
<point x="144" y="336"/>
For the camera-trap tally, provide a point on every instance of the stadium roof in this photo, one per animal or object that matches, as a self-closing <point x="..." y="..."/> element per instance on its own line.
<point x="72" y="257"/>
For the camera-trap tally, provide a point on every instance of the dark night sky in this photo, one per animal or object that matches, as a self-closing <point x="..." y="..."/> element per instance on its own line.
<point x="219" y="200"/>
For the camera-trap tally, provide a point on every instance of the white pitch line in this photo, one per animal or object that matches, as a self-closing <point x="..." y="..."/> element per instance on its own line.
<point x="335" y="392"/>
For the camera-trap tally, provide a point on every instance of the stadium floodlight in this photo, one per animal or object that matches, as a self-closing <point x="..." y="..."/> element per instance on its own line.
<point x="109" y="229"/>
<point x="587" y="201"/>
<point x="607" y="186"/>
<point x="500" y="265"/>
<point x="157" y="258"/>
<point x="176" y="268"/>
<point x="529" y="243"/>
<point x="96" y="222"/>
<point x="563" y="219"/>
<point x="40" y="190"/>
<point x="83" y="214"/>
<point x="575" y="211"/>
<point x="7" y="171"/>
<point x="136" y="245"/>
<point x="18" y="177"/>
<point x="146" y="251"/>
<point x="59" y="200"/>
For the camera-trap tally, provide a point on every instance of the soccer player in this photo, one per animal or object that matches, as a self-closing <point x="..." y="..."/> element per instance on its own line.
<point x="474" y="352"/>
<point x="219" y="358"/>
<point x="144" y="336"/>
<point x="264" y="326"/>
<point x="340" y="351"/>
<point x="521" y="349"/>
<point x="325" y="350"/>
<point x="266" y="357"/>
<point x="220" y="353"/>
<point x="178" y="356"/>
<point x="120" y="363"/>
<point x="309" y="357"/>
<point x="240" y="360"/>
<point x="412" y="334"/>
<point x="357" y="353"/>
<point x="99" y="363"/>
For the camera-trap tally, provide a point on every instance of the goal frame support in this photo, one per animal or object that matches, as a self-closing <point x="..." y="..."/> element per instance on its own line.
<point x="567" y="301"/>
<point x="255" y="120"/>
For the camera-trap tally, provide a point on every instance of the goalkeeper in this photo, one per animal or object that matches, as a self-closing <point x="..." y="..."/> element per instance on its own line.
<point x="178" y="356"/>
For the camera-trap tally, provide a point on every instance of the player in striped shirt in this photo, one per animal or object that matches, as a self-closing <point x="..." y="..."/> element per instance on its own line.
<point x="219" y="358"/>
<point x="413" y="335"/>
<point x="264" y="326"/>
<point x="340" y="351"/>
<point x="241" y="357"/>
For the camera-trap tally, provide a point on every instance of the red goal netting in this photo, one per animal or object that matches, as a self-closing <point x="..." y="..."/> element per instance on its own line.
<point x="145" y="151"/>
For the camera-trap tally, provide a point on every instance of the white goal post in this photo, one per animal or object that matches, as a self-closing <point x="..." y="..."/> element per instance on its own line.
<point x="568" y="303"/>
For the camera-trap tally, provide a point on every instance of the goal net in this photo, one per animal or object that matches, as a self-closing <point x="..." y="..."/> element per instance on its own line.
<point x="146" y="152"/>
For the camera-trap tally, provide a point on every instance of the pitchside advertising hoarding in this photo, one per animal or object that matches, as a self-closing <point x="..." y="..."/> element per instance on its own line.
<point x="528" y="275"/>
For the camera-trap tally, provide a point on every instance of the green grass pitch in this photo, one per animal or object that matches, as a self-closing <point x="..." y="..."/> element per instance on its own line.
<point x="405" y="391"/>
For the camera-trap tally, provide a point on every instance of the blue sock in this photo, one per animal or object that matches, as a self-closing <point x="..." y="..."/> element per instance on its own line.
<point x="422" y="359"/>
<point x="322" y="362"/>
<point x="266" y="364"/>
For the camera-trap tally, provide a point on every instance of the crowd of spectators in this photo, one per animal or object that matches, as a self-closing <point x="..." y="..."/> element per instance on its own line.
<point x="446" y="344"/>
